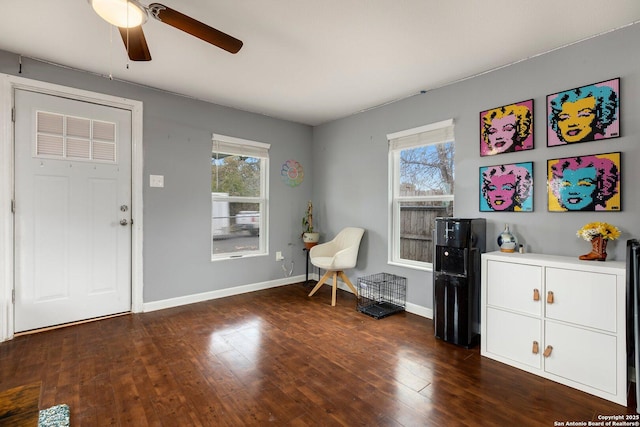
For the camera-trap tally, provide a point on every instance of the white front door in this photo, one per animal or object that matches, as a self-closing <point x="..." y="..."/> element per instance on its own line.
<point x="72" y="210"/>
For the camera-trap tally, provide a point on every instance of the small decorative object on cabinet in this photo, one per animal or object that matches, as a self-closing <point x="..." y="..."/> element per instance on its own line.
<point x="557" y="317"/>
<point x="309" y="238"/>
<point x="598" y="233"/>
<point x="507" y="241"/>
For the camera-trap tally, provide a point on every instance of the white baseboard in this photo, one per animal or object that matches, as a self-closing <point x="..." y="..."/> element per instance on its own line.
<point x="221" y="293"/>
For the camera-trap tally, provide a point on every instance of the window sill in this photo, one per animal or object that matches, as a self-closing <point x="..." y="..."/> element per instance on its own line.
<point x="239" y="256"/>
<point x="411" y="266"/>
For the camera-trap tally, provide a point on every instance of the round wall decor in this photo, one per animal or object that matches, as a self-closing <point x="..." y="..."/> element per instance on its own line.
<point x="292" y="173"/>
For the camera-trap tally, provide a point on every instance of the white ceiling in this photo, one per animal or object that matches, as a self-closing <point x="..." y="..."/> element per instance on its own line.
<point x="312" y="61"/>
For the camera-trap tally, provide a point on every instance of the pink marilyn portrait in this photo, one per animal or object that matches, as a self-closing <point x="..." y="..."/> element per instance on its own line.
<point x="507" y="129"/>
<point x="587" y="113"/>
<point x="507" y="188"/>
<point x="585" y="183"/>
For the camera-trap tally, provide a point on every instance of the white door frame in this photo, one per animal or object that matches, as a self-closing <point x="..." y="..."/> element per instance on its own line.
<point x="8" y="84"/>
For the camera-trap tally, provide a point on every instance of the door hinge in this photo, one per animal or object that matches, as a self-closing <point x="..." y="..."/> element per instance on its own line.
<point x="13" y="296"/>
<point x="13" y="114"/>
<point x="13" y="206"/>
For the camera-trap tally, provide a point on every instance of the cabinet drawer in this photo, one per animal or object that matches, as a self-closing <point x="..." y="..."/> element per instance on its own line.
<point x="582" y="356"/>
<point x="512" y="335"/>
<point x="512" y="286"/>
<point x="582" y="298"/>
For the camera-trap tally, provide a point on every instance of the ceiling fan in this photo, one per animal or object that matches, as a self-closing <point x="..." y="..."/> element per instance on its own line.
<point x="129" y="15"/>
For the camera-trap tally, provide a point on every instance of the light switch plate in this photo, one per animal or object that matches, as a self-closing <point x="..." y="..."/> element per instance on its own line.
<point x="156" y="181"/>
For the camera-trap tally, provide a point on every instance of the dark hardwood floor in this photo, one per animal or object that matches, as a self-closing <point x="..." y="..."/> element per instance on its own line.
<point x="279" y="358"/>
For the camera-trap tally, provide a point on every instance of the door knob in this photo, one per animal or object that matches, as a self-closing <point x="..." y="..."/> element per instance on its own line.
<point x="124" y="222"/>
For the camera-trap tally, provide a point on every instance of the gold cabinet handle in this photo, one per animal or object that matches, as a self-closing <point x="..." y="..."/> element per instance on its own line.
<point x="550" y="297"/>
<point x="536" y="295"/>
<point x="535" y="349"/>
<point x="547" y="351"/>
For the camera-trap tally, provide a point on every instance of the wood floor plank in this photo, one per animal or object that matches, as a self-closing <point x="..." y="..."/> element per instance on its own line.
<point x="278" y="357"/>
<point x="19" y="405"/>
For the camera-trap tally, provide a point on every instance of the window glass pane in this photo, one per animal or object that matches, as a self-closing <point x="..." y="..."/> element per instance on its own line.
<point x="423" y="189"/>
<point x="239" y="198"/>
<point x="427" y="170"/>
<point x="417" y="220"/>
<point x="235" y="225"/>
<point x="235" y="175"/>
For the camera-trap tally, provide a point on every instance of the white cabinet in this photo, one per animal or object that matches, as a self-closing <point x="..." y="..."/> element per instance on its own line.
<point x="557" y="317"/>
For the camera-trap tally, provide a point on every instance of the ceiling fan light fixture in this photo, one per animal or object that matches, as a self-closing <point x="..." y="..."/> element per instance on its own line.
<point x="121" y="13"/>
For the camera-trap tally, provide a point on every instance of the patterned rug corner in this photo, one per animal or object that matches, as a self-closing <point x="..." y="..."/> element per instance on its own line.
<point x="56" y="416"/>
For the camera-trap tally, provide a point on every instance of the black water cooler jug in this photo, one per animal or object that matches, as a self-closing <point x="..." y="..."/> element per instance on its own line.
<point x="456" y="279"/>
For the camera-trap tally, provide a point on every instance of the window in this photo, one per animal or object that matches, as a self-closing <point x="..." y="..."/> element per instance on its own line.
<point x="239" y="197"/>
<point x="421" y="188"/>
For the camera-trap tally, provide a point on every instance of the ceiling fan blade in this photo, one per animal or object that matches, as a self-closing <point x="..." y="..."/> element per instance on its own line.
<point x="135" y="43"/>
<point x="196" y="28"/>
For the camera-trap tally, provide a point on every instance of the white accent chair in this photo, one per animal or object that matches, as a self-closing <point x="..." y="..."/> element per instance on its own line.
<point x="336" y="256"/>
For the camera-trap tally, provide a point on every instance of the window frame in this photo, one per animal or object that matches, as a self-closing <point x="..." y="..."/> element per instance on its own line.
<point x="244" y="147"/>
<point x="431" y="134"/>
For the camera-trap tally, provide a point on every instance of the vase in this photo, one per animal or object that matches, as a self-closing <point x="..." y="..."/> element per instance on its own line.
<point x="310" y="239"/>
<point x="598" y="250"/>
<point x="507" y="241"/>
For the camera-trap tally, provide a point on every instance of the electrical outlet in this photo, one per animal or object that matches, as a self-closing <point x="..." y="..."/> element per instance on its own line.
<point x="279" y="256"/>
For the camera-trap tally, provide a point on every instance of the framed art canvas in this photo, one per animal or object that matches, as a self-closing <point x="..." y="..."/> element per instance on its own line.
<point x="506" y="129"/>
<point x="584" y="183"/>
<point x="506" y="188"/>
<point x="587" y="113"/>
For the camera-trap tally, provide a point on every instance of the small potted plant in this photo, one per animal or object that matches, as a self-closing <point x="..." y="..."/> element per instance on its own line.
<point x="309" y="238"/>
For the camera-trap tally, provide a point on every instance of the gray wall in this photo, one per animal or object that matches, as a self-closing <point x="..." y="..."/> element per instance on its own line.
<point x="350" y="155"/>
<point x="346" y="167"/>
<point x="177" y="218"/>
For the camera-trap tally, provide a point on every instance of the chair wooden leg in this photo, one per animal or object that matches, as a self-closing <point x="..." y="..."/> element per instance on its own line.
<point x="334" y="284"/>
<point x="346" y="280"/>
<point x="320" y="283"/>
<point x="335" y="287"/>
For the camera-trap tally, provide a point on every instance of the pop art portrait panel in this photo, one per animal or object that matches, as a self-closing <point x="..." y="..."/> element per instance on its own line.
<point x="583" y="114"/>
<point x="506" y="129"/>
<point x="506" y="188"/>
<point x="585" y="183"/>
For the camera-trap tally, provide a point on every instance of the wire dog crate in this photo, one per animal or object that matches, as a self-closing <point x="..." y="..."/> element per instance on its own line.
<point x="382" y="294"/>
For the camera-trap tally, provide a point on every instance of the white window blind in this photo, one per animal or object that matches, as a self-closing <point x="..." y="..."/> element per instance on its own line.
<point x="238" y="146"/>
<point x="433" y="133"/>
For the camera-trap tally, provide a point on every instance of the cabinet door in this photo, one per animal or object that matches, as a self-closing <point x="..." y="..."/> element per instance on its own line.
<point x="512" y="336"/>
<point x="512" y="286"/>
<point x="583" y="298"/>
<point x="582" y="356"/>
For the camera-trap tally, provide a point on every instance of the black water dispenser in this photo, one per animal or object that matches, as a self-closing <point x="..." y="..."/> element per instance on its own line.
<point x="456" y="279"/>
